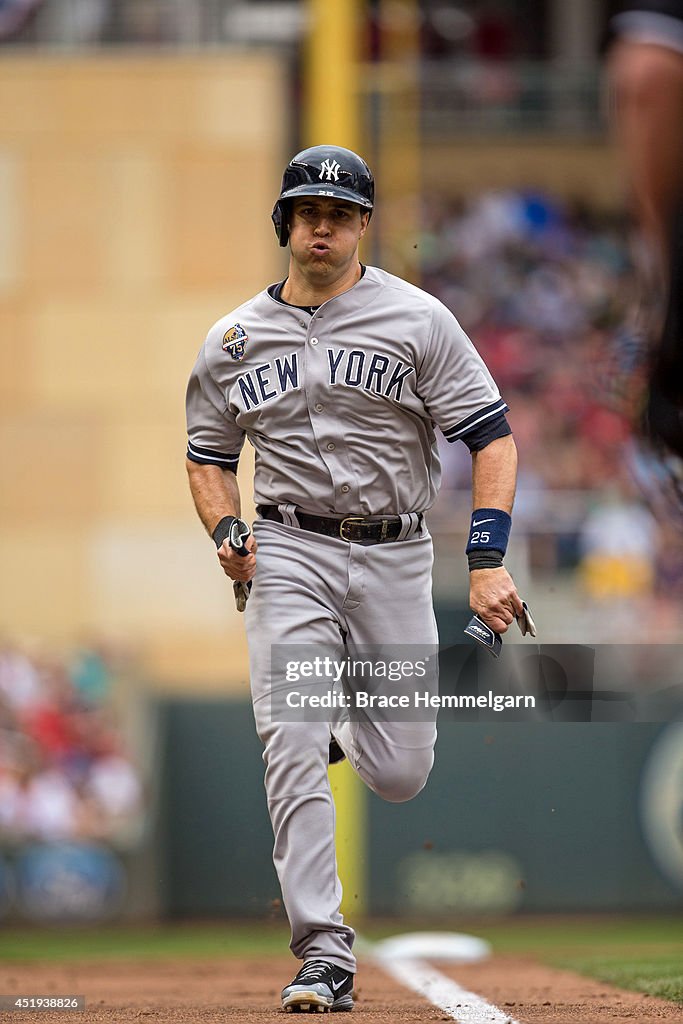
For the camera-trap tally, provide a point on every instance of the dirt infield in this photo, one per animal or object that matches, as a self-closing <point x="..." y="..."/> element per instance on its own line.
<point x="247" y="991"/>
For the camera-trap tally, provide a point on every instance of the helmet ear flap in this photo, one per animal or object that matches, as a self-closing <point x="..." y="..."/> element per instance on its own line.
<point x="280" y="218"/>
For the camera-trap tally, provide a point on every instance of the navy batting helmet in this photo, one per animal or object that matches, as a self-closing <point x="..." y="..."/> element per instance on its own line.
<point x="323" y="171"/>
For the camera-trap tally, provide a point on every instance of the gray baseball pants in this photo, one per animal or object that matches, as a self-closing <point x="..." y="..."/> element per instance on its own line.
<point x="315" y="590"/>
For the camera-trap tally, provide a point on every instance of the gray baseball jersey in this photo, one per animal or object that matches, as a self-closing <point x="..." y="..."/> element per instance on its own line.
<point x="341" y="405"/>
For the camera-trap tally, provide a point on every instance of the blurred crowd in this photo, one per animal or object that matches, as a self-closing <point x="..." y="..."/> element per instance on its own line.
<point x="542" y="288"/>
<point x="548" y="291"/>
<point x="487" y="31"/>
<point x="65" y="774"/>
<point x="149" y="23"/>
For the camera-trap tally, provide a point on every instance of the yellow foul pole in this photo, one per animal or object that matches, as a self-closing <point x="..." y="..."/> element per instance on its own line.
<point x="331" y="107"/>
<point x="331" y="115"/>
<point x="399" y="133"/>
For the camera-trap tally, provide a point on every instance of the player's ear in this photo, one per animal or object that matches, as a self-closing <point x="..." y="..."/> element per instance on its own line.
<point x="364" y="218"/>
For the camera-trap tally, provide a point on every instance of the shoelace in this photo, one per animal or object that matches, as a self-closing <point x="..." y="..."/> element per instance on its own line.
<point x="313" y="970"/>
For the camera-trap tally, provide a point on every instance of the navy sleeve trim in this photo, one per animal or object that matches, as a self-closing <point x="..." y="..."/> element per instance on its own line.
<point x="497" y="408"/>
<point x="207" y="457"/>
<point x="482" y="435"/>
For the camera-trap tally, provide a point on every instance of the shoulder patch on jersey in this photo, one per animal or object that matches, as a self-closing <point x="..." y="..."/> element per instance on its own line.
<point x="235" y="341"/>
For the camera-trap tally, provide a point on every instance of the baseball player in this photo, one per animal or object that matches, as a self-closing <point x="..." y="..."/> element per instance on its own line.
<point x="339" y="376"/>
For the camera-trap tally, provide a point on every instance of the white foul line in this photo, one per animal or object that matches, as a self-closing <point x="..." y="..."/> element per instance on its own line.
<point x="463" y="1006"/>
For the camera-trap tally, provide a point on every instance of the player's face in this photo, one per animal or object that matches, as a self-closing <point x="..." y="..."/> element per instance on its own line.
<point x="324" y="234"/>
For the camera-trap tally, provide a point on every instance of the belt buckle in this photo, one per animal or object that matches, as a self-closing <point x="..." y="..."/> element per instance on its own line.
<point x="349" y="519"/>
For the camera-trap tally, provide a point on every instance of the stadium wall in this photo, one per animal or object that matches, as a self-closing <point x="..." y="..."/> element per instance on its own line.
<point x="516" y="817"/>
<point x="568" y="168"/>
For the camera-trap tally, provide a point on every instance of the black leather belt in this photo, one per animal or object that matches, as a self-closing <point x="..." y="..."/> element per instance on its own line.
<point x="354" y="529"/>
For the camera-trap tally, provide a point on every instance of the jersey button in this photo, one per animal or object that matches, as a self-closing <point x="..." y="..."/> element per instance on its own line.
<point x="331" y="446"/>
<point x="302" y="323"/>
<point x="318" y="407"/>
<point x="345" y="488"/>
<point x="314" y="341"/>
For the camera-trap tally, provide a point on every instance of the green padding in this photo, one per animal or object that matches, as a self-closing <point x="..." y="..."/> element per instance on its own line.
<point x="215" y="836"/>
<point x="521" y="816"/>
<point x="515" y="816"/>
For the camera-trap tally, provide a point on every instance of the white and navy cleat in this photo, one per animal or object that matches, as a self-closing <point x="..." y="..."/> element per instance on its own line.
<point x="318" y="988"/>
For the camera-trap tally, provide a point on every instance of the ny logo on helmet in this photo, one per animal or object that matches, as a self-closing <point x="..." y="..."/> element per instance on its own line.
<point x="329" y="170"/>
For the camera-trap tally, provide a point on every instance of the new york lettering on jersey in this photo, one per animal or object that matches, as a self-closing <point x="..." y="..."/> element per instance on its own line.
<point x="369" y="370"/>
<point x="269" y="381"/>
<point x="353" y="368"/>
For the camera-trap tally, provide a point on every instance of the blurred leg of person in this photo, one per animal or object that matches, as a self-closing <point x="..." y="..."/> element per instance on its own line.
<point x="646" y="73"/>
